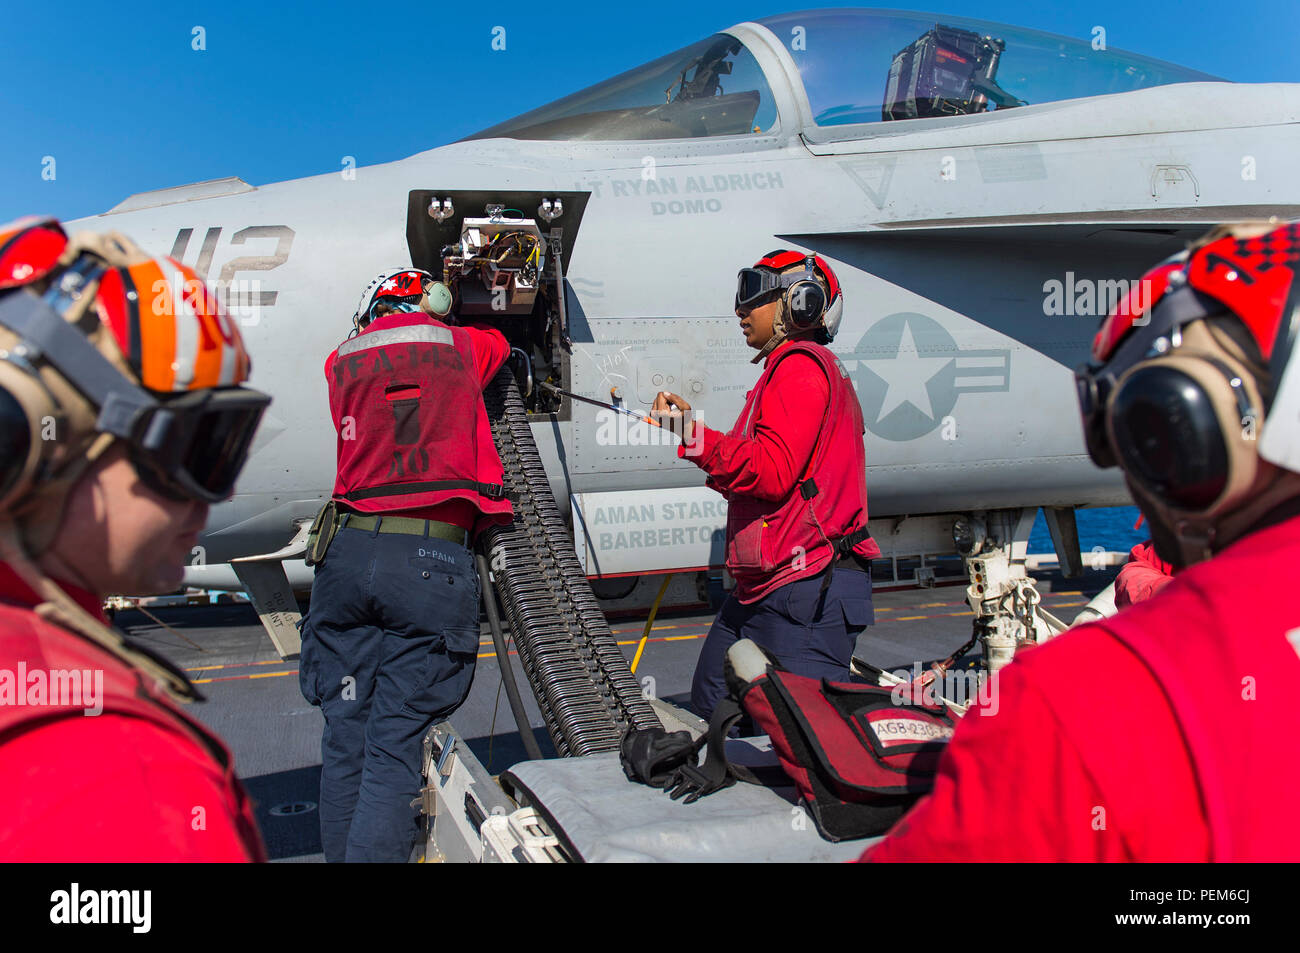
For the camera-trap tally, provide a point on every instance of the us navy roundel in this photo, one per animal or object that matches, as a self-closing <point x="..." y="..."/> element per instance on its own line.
<point x="909" y="373"/>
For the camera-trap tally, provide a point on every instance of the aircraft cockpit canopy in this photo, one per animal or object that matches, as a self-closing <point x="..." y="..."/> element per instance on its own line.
<point x="862" y="66"/>
<point x="711" y="88"/>
<point x="856" y="66"/>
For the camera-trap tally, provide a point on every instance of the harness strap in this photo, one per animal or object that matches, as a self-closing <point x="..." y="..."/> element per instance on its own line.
<point x="841" y="546"/>
<point x="493" y="491"/>
<point x="716" y="773"/>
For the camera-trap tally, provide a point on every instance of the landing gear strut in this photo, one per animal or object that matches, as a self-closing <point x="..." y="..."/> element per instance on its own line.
<point x="1003" y="596"/>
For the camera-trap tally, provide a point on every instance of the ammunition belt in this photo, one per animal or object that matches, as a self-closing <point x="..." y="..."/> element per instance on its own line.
<point x="585" y="689"/>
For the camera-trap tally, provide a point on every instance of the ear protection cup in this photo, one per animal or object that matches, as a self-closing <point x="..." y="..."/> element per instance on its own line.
<point x="439" y="299"/>
<point x="805" y="303"/>
<point x="15" y="442"/>
<point x="810" y="300"/>
<point x="1169" y="437"/>
<point x="1183" y="428"/>
<point x="26" y="408"/>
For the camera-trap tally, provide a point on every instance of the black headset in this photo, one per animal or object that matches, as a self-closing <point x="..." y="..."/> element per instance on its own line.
<point x="1180" y="424"/>
<point x="805" y="298"/>
<point x="27" y="404"/>
<point x="1174" y="437"/>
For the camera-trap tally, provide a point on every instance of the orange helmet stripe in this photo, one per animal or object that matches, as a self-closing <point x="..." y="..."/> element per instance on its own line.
<point x="168" y="324"/>
<point x="212" y="350"/>
<point x="157" y="326"/>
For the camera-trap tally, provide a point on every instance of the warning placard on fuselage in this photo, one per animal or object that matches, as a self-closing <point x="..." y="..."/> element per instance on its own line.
<point x="658" y="530"/>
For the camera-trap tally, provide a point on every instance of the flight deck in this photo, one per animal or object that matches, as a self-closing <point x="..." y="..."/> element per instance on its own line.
<point x="254" y="703"/>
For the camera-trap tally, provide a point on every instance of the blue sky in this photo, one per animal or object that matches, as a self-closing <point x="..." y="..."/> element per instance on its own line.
<point x="124" y="104"/>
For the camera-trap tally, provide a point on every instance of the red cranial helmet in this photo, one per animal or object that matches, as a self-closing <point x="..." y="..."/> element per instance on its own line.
<point x="102" y="342"/>
<point x="1184" y="374"/>
<point x="400" y="290"/>
<point x="810" y="296"/>
<point x="810" y="304"/>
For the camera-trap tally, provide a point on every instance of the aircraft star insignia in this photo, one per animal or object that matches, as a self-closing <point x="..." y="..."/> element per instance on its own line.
<point x="909" y="373"/>
<point x="907" y="376"/>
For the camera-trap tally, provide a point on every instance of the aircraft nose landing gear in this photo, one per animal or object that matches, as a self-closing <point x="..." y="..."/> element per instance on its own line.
<point x="1003" y="596"/>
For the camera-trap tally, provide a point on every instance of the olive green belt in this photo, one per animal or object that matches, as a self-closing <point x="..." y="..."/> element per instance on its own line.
<point x="406" y="525"/>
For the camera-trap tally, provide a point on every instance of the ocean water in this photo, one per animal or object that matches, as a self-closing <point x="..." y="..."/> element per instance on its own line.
<point x="1110" y="527"/>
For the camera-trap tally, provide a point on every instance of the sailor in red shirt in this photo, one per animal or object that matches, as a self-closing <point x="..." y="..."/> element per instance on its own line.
<point x="1142" y="576"/>
<point x="1149" y="736"/>
<point x="391" y="639"/>
<point x="793" y="470"/>
<point x="121" y="419"/>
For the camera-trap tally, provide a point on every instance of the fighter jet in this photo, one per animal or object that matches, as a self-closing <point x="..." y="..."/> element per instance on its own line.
<point x="984" y="192"/>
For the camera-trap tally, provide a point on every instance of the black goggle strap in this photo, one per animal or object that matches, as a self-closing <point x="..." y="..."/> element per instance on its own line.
<point x="39" y="322"/>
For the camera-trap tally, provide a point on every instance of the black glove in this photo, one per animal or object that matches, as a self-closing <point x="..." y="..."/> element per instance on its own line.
<point x="652" y="755"/>
<point x="716" y="772"/>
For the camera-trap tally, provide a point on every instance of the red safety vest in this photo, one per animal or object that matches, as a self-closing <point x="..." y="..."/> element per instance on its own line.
<point x="787" y="541"/>
<point x="1223" y="642"/>
<point x="412" y="428"/>
<point x="36" y="644"/>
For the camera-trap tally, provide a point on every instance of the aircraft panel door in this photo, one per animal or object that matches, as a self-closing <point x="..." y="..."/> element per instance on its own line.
<point x="704" y="360"/>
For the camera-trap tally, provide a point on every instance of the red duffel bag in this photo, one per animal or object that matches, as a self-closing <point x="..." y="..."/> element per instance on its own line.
<point x="860" y="755"/>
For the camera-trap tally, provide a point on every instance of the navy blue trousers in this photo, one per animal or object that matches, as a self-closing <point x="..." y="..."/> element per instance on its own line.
<point x="810" y="633"/>
<point x="389" y="646"/>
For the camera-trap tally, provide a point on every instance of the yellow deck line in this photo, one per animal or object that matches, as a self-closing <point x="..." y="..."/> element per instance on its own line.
<point x="209" y="668"/>
<point x="206" y="681"/>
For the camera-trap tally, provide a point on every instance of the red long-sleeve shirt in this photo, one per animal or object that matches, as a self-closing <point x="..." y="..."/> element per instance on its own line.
<point x="111" y="789"/>
<point x="1148" y="736"/>
<point x="769" y="464"/>
<point x="1142" y="576"/>
<point x="106" y="787"/>
<point x="801" y="420"/>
